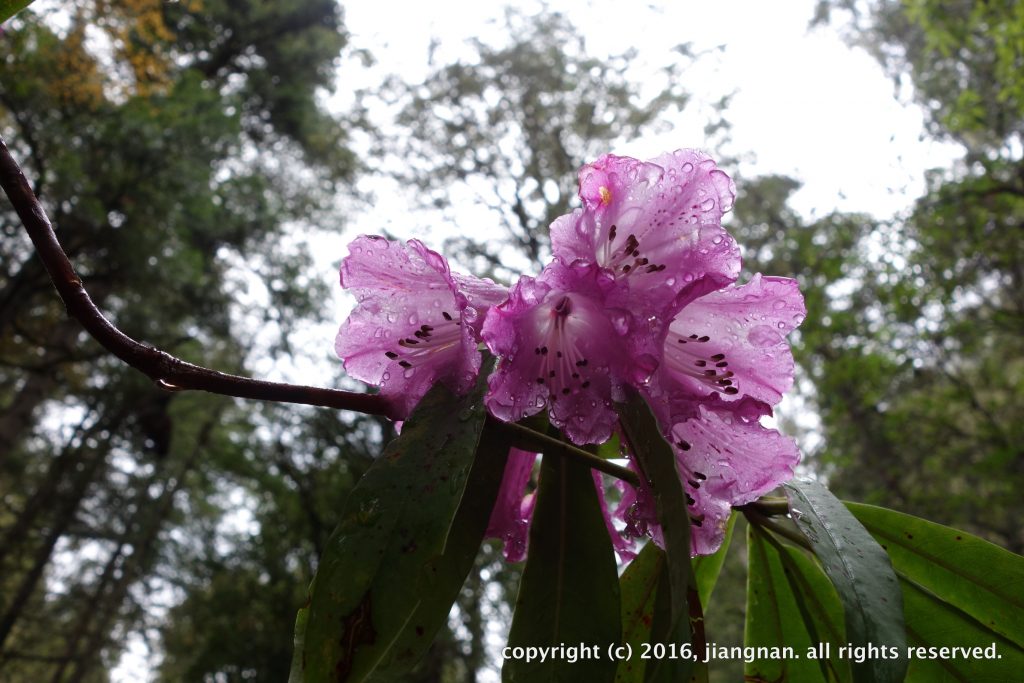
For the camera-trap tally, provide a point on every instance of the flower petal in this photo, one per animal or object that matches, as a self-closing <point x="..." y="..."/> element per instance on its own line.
<point x="656" y="224"/>
<point x="726" y="458"/>
<point x="406" y="331"/>
<point x="513" y="509"/>
<point x="561" y="347"/>
<point x="733" y="341"/>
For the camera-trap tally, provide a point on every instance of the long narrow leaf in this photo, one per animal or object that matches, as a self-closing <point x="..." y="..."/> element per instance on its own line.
<point x="863" y="577"/>
<point x="775" y="632"/>
<point x="383" y="557"/>
<point x="569" y="591"/>
<point x="977" y="577"/>
<point x="638" y="588"/>
<point x="707" y="568"/>
<point x="683" y="623"/>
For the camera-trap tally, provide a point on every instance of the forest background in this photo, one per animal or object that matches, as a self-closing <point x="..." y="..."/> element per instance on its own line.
<point x="194" y="163"/>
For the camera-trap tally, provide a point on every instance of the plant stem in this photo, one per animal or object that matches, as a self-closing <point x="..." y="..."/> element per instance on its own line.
<point x="534" y="440"/>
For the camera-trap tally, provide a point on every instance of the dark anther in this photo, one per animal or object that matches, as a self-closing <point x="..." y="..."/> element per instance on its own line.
<point x="566" y="391"/>
<point x="405" y="363"/>
<point x="704" y="338"/>
<point x="684" y="445"/>
<point x="581" y="363"/>
<point x="700" y="363"/>
<point x="540" y="380"/>
<point x="446" y="315"/>
<point x="611" y="233"/>
<point x="693" y="336"/>
<point x="694" y="484"/>
<point x="690" y="500"/>
<point x="718" y="356"/>
<point x="551" y="374"/>
<point x="653" y="269"/>
<point x="700" y="475"/>
<point x="391" y="354"/>
<point x="585" y="384"/>
<point x="626" y="269"/>
<point x="723" y="364"/>
<point x="732" y="390"/>
<point x="681" y="340"/>
<point x="558" y="354"/>
<point x="543" y="350"/>
<point x="537" y="350"/>
<point x="724" y="382"/>
<point x="426" y="328"/>
<point x="710" y="373"/>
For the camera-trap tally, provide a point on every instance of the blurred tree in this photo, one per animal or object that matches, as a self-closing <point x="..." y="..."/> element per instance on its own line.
<point x="917" y="360"/>
<point x="172" y="145"/>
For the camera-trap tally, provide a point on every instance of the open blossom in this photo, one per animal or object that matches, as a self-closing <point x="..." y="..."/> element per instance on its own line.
<point x="564" y="343"/>
<point x="415" y="323"/>
<point x="725" y="362"/>
<point x="654" y="224"/>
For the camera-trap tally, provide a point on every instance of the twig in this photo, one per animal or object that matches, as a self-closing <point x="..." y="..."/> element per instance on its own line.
<point x="757" y="519"/>
<point x="533" y="440"/>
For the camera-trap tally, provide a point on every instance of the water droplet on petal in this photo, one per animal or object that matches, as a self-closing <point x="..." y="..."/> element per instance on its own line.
<point x="779" y="305"/>
<point x="409" y="372"/>
<point x="708" y="204"/>
<point x="763" y="335"/>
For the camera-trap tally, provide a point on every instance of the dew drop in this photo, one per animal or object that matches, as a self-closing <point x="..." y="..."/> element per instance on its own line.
<point x="409" y="372"/>
<point x="687" y="167"/>
<point x="708" y="204"/>
<point x="391" y="317"/>
<point x="763" y="335"/>
<point x="413" y="319"/>
<point x="779" y="305"/>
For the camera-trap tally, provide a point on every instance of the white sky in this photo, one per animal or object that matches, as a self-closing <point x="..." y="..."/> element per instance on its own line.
<point x="806" y="105"/>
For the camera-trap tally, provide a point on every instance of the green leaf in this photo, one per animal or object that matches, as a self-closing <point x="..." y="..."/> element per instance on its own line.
<point x="975" y="576"/>
<point x="681" y="622"/>
<point x="8" y="8"/>
<point x="638" y="587"/>
<point x="443" y="577"/>
<point x="706" y="568"/>
<point x="298" y="653"/>
<point x="569" y="591"/>
<point x="820" y="608"/>
<point x="390" y="570"/>
<point x="933" y="622"/>
<point x="775" y="622"/>
<point x="958" y="590"/>
<point x="862" y="575"/>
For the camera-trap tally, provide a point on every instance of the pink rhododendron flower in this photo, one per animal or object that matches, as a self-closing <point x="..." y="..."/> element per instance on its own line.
<point x="415" y="323"/>
<point x="513" y="510"/>
<point x="563" y="340"/>
<point x="656" y="225"/>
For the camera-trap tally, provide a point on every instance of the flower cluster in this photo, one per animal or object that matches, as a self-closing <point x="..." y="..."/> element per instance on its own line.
<point x="640" y="295"/>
